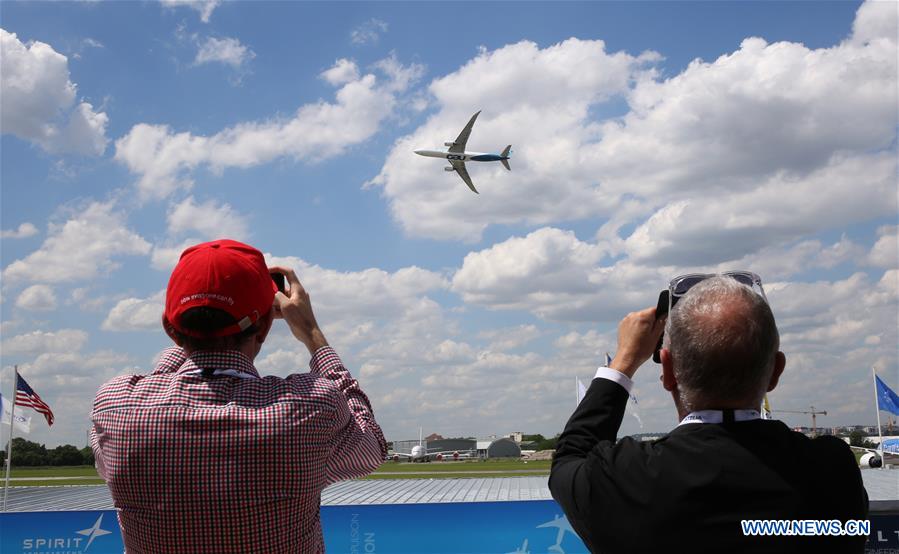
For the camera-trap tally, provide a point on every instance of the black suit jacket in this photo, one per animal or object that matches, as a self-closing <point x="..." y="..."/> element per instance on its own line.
<point x="688" y="491"/>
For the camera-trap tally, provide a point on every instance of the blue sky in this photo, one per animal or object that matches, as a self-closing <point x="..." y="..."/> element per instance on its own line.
<point x="650" y="139"/>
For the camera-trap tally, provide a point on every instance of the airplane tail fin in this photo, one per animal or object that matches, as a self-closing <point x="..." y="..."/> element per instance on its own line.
<point x="505" y="155"/>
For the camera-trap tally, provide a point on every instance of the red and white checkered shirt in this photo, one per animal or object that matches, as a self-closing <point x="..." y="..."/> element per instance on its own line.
<point x="234" y="462"/>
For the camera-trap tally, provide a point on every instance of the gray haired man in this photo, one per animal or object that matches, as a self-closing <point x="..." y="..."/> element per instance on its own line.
<point x="701" y="487"/>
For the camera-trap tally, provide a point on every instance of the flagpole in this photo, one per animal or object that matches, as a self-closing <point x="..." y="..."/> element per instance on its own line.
<point x="12" y="415"/>
<point x="877" y="406"/>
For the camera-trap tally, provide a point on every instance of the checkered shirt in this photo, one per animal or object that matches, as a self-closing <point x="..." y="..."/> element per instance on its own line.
<point x="231" y="463"/>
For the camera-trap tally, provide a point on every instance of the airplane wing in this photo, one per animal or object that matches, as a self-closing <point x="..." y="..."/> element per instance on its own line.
<point x="462" y="139"/>
<point x="460" y="169"/>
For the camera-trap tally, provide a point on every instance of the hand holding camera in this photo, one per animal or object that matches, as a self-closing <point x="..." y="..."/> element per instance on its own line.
<point x="293" y="305"/>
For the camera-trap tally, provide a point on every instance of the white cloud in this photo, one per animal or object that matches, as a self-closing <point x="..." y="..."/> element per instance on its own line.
<point x="83" y="247"/>
<point x="510" y="338"/>
<point x="383" y="319"/>
<point x="360" y="295"/>
<point x="86" y="300"/>
<point x="165" y="258"/>
<point x="875" y="21"/>
<point x="885" y="252"/>
<point x="203" y="7"/>
<point x="39" y="100"/>
<point x="553" y="275"/>
<point x="227" y="50"/>
<point x="164" y="159"/>
<point x="368" y="32"/>
<point x="343" y="71"/>
<point x="548" y="272"/>
<point x="35" y="342"/>
<point x="39" y="298"/>
<point x="777" y="126"/>
<point x="210" y="219"/>
<point x="136" y="314"/>
<point x="833" y="334"/>
<point x="24" y="231"/>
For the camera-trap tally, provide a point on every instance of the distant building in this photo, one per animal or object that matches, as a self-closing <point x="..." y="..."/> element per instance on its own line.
<point x="434" y="437"/>
<point x="516" y="436"/>
<point x="498" y="448"/>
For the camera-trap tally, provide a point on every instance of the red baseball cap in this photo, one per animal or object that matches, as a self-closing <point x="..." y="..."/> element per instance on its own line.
<point x="223" y="274"/>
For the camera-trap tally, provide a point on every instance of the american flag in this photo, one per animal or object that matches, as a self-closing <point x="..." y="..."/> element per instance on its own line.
<point x="27" y="398"/>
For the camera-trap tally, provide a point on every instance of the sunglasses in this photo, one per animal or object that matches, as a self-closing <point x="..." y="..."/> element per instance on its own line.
<point x="679" y="286"/>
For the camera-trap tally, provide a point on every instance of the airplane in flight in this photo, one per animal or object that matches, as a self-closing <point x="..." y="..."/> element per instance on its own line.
<point x="522" y="550"/>
<point x="457" y="156"/>
<point x="563" y="526"/>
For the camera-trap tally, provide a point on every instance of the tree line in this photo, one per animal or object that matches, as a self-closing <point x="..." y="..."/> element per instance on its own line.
<point x="27" y="453"/>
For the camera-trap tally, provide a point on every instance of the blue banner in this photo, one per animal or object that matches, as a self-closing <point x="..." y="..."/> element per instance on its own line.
<point x="90" y="532"/>
<point x="533" y="527"/>
<point x="887" y="400"/>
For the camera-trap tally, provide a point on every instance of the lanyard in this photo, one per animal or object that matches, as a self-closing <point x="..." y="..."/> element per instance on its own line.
<point x="223" y="372"/>
<point x="718" y="416"/>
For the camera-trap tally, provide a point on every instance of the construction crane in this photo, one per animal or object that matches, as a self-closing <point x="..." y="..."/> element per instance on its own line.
<point x="811" y="411"/>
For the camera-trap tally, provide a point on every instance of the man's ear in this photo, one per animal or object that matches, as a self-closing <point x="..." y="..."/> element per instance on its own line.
<point x="265" y="325"/>
<point x="780" y="362"/>
<point x="170" y="331"/>
<point x="669" y="381"/>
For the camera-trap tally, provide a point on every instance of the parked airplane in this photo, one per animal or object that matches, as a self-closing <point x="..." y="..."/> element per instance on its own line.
<point x="887" y="454"/>
<point x="457" y="155"/>
<point x="421" y="454"/>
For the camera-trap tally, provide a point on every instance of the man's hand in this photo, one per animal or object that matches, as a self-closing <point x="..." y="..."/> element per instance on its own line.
<point x="638" y="335"/>
<point x="296" y="310"/>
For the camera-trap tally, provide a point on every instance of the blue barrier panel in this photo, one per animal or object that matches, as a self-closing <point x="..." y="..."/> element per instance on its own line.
<point x="533" y="526"/>
<point x="92" y="532"/>
<point x="489" y="527"/>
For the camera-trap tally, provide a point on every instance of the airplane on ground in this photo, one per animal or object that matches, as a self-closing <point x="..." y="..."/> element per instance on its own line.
<point x="457" y="155"/>
<point x="886" y="454"/>
<point x="562" y="525"/>
<point x="421" y="454"/>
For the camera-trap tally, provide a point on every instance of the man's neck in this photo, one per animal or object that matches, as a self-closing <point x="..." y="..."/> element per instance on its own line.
<point x="683" y="412"/>
<point x="247" y="349"/>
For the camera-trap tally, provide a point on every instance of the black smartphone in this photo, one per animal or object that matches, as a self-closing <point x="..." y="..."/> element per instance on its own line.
<point x="278" y="278"/>
<point x="661" y="311"/>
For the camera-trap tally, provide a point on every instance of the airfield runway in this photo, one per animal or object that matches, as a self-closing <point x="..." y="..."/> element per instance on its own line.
<point x="882" y="487"/>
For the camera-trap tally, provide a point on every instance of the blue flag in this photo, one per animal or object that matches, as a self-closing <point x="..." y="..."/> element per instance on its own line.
<point x="887" y="400"/>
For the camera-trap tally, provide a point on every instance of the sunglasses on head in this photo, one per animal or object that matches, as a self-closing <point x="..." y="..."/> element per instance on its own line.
<point x="679" y="286"/>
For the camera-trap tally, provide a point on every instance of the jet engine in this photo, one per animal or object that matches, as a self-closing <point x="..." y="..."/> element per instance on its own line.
<point x="449" y="143"/>
<point x="449" y="168"/>
<point x="870" y="460"/>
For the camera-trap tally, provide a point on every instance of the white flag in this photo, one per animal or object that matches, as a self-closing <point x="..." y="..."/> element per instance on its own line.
<point x="22" y="422"/>
<point x="634" y="411"/>
<point x="581" y="390"/>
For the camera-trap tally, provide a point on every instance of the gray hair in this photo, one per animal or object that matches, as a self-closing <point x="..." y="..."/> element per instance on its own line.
<point x="723" y="341"/>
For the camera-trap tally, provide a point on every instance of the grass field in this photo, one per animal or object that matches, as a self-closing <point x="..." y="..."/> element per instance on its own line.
<point x="54" y="475"/>
<point x="87" y="475"/>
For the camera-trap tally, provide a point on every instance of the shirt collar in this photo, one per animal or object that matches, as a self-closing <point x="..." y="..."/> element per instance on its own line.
<point x="717" y="416"/>
<point x="225" y="362"/>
